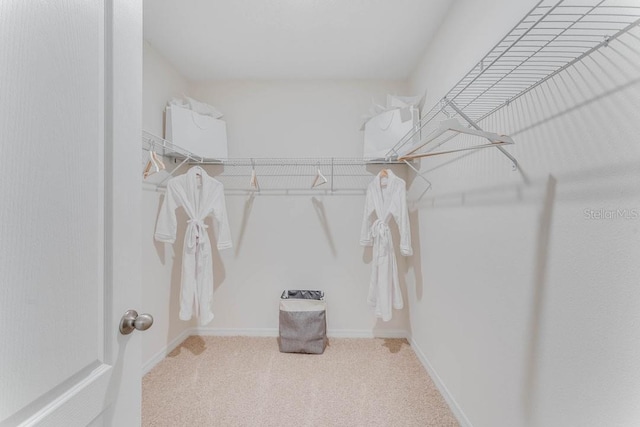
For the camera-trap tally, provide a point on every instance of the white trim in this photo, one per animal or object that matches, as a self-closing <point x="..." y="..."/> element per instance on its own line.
<point x="159" y="356"/>
<point x="444" y="391"/>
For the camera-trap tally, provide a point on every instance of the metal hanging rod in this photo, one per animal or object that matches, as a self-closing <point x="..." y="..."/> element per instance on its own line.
<point x="277" y="176"/>
<point x="296" y="176"/>
<point x="301" y="161"/>
<point x="553" y="36"/>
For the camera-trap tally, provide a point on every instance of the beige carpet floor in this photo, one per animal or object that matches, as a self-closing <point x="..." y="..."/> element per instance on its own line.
<point x="239" y="381"/>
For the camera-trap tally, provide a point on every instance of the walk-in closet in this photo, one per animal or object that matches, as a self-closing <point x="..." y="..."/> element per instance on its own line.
<point x="320" y="213"/>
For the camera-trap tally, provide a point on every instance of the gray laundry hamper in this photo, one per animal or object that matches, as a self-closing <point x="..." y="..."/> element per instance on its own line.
<point x="303" y="322"/>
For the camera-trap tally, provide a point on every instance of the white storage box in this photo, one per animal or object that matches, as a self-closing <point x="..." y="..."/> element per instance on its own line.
<point x="202" y="135"/>
<point x="384" y="131"/>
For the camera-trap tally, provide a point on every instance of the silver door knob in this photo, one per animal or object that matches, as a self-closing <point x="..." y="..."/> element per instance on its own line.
<point x="132" y="320"/>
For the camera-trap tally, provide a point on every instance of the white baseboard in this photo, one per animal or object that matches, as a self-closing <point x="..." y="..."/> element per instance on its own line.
<point x="157" y="358"/>
<point x="444" y="391"/>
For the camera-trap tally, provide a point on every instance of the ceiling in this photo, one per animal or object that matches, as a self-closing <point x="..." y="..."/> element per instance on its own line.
<point x="292" y="39"/>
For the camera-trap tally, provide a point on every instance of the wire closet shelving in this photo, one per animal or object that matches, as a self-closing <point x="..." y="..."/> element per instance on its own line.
<point x="553" y="36"/>
<point x="331" y="175"/>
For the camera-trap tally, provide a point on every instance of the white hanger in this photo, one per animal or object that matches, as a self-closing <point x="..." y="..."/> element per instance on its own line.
<point x="319" y="179"/>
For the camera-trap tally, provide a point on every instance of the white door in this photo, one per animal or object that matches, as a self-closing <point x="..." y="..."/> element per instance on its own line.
<point x="70" y="101"/>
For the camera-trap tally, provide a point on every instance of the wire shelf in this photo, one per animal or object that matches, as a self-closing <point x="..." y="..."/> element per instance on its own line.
<point x="167" y="149"/>
<point x="553" y="36"/>
<point x="344" y="175"/>
<point x="297" y="174"/>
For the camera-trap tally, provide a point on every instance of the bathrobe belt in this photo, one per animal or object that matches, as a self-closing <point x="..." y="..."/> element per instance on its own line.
<point x="382" y="238"/>
<point x="196" y="236"/>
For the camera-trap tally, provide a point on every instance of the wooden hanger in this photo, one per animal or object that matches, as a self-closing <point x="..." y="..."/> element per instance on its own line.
<point x="157" y="160"/>
<point x="384" y="173"/>
<point x="455" y="126"/>
<point x="437" y="153"/>
<point x="154" y="164"/>
<point x="148" y="170"/>
<point x="253" y="181"/>
<point x="319" y="179"/>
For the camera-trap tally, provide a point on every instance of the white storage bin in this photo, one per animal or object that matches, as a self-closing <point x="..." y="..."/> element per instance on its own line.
<point x="202" y="135"/>
<point x="384" y="131"/>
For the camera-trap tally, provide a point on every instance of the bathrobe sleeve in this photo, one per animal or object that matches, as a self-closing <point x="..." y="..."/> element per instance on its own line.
<point x="403" y="224"/>
<point x="167" y="224"/>
<point x="365" y="232"/>
<point x="222" y="222"/>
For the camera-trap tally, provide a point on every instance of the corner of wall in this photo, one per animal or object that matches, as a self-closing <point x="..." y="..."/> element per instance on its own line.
<point x="160" y="281"/>
<point x="440" y="385"/>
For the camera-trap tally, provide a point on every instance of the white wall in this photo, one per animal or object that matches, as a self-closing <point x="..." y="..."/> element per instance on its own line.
<point x="279" y="241"/>
<point x="160" y="275"/>
<point x="528" y="311"/>
<point x="296" y="242"/>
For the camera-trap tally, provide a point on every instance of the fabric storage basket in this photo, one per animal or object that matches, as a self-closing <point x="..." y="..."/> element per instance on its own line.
<point x="303" y="322"/>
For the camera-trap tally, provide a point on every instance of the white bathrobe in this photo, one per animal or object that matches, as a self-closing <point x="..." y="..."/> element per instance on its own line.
<point x="200" y="196"/>
<point x="386" y="198"/>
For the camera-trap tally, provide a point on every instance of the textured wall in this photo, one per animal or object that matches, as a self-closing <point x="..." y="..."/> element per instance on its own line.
<point x="296" y="241"/>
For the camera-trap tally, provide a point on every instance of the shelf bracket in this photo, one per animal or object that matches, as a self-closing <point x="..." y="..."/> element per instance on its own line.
<point x="475" y="125"/>
<point x="332" y="174"/>
<point x="419" y="174"/>
<point x="173" y="171"/>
